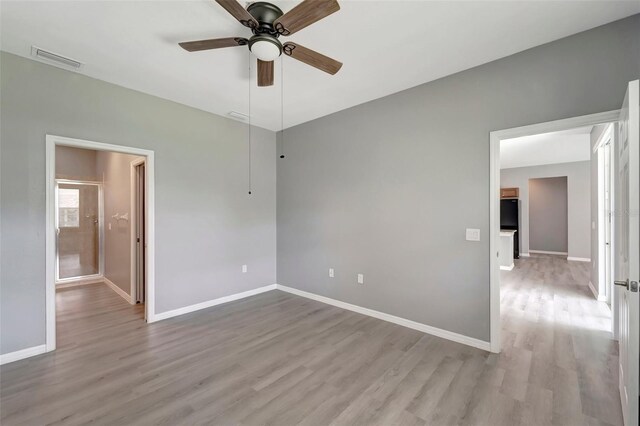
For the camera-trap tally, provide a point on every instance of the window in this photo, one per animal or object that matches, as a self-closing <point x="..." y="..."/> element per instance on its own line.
<point x="68" y="208"/>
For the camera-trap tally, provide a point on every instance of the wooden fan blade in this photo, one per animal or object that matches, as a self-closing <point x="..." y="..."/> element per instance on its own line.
<point x="238" y="12"/>
<point x="305" y="14"/>
<point x="214" y="43"/>
<point x="311" y="57"/>
<point x="265" y="73"/>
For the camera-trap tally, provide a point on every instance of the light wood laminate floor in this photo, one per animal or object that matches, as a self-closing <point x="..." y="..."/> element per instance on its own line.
<point x="280" y="359"/>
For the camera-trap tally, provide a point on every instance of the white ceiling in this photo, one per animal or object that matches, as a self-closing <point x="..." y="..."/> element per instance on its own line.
<point x="386" y="46"/>
<point x="547" y="148"/>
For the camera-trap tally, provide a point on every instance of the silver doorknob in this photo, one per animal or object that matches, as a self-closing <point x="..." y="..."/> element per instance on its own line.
<point x="624" y="283"/>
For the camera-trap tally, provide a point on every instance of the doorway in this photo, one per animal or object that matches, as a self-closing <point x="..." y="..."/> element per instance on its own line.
<point x="138" y="231"/>
<point x="548" y="215"/>
<point x="77" y="221"/>
<point x="625" y="263"/>
<point x="494" y="206"/>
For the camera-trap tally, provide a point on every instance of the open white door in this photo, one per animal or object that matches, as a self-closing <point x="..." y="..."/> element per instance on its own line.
<point x="628" y="249"/>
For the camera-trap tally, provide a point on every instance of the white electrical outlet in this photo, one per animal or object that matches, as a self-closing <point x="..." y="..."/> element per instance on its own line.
<point x="360" y="278"/>
<point x="331" y="273"/>
<point x="244" y="269"/>
<point x="473" y="234"/>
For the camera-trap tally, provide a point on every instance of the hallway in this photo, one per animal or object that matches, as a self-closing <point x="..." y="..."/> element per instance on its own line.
<point x="559" y="338"/>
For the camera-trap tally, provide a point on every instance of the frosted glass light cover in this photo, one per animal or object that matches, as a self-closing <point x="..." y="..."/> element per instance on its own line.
<point x="265" y="50"/>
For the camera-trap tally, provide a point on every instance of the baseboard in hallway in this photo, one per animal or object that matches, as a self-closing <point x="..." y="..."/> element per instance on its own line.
<point x="554" y="253"/>
<point x="579" y="259"/>
<point x="596" y="295"/>
<point x="79" y="282"/>
<point x="119" y="291"/>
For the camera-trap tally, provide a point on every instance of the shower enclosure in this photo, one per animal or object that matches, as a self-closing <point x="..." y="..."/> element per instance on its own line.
<point x="79" y="230"/>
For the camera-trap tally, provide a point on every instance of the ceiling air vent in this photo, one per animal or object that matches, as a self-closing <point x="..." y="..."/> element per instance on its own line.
<point x="238" y="115"/>
<point x="55" y="59"/>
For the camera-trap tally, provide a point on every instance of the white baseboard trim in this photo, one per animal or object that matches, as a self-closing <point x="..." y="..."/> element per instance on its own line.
<point x="118" y="290"/>
<point x="210" y="303"/>
<point x="507" y="268"/>
<point x="459" y="338"/>
<point x="22" y="354"/>
<point x="555" y="253"/>
<point x="525" y="255"/>
<point x="597" y="296"/>
<point x="579" y="259"/>
<point x="76" y="283"/>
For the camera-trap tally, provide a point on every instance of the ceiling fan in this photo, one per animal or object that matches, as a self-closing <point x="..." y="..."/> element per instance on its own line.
<point x="267" y="23"/>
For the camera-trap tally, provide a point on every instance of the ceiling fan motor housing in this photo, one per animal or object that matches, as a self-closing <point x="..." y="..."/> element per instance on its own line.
<point x="265" y="13"/>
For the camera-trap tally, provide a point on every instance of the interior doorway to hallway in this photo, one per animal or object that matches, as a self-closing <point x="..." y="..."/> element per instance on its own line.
<point x="100" y="224"/>
<point x="625" y="262"/>
<point x="573" y="126"/>
<point x="548" y="312"/>
<point x="100" y="220"/>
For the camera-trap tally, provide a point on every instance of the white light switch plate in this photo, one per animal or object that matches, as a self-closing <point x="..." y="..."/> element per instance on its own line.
<point x="244" y="269"/>
<point x="331" y="273"/>
<point x="360" y="278"/>
<point x="473" y="234"/>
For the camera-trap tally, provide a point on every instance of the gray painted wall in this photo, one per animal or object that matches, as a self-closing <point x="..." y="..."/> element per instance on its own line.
<point x="76" y="163"/>
<point x="115" y="173"/>
<point x="578" y="201"/>
<point x="207" y="225"/>
<point x="387" y="188"/>
<point x="548" y="218"/>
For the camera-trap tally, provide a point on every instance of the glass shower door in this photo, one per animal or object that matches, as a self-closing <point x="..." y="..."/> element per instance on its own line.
<point x="78" y="225"/>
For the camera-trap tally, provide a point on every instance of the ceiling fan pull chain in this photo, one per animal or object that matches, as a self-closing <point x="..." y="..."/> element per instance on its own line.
<point x="282" y="107"/>
<point x="250" y="123"/>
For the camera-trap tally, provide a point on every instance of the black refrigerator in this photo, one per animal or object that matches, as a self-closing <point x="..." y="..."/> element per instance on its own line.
<point x="510" y="219"/>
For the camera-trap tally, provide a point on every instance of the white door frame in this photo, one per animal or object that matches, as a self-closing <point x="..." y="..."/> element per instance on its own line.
<point x="134" y="225"/>
<point x="51" y="142"/>
<point x="604" y="211"/>
<point x="494" y="199"/>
